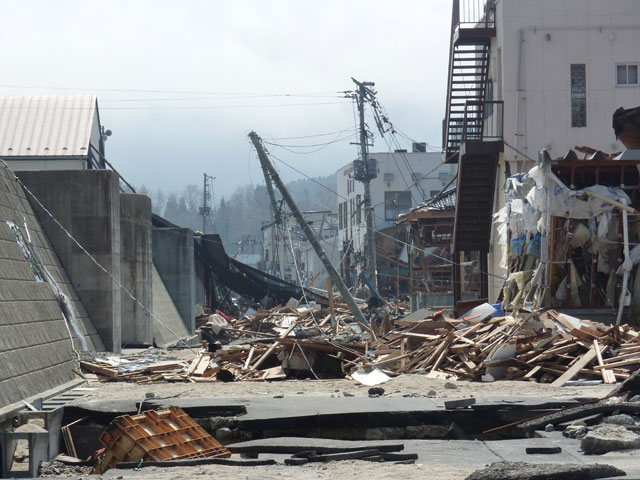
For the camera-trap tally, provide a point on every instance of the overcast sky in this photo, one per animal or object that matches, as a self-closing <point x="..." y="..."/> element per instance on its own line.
<point x="182" y="83"/>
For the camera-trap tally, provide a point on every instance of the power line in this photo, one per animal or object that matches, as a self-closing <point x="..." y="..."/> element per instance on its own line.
<point x="451" y="262"/>
<point x="187" y="107"/>
<point x="182" y="92"/>
<point x="336" y="140"/>
<point x="350" y="129"/>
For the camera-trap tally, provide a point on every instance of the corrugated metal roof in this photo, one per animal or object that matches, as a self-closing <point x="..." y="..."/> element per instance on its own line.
<point x="46" y="125"/>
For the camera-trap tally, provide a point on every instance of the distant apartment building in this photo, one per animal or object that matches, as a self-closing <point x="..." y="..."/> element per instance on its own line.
<point x="404" y="180"/>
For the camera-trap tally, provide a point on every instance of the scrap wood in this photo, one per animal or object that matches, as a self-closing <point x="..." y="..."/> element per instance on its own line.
<point x="546" y="349"/>
<point x="273" y="346"/>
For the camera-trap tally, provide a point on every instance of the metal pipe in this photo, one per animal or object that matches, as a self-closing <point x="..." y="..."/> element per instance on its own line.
<point x="516" y="121"/>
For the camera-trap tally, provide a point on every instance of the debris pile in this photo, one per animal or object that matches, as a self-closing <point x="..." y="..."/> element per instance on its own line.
<point x="548" y="348"/>
<point x="289" y="342"/>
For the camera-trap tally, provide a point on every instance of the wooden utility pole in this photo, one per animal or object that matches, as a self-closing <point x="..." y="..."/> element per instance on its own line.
<point x="365" y="172"/>
<point x="276" y="220"/>
<point x="270" y="173"/>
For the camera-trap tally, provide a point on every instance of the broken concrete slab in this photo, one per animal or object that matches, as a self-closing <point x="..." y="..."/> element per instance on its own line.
<point x="460" y="403"/>
<point x="608" y="438"/>
<point x="317" y="445"/>
<point x="580" y="411"/>
<point x="546" y="471"/>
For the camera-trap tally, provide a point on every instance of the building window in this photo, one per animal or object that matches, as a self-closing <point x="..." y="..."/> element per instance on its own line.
<point x="416" y="176"/>
<point x="388" y="177"/>
<point x="351" y="212"/>
<point x="396" y="203"/>
<point x="342" y="215"/>
<point x="578" y="95"/>
<point x="627" y="75"/>
<point x="443" y="175"/>
<point x="358" y="209"/>
<point x="488" y="107"/>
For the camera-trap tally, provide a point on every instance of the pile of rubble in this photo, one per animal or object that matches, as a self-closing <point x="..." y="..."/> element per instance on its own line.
<point x="310" y="342"/>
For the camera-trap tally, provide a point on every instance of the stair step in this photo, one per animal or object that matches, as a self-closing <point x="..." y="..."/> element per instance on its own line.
<point x="458" y="51"/>
<point x="467" y="67"/>
<point x="469" y="61"/>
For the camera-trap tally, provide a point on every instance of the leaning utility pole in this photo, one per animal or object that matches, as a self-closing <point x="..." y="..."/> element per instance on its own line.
<point x="270" y="173"/>
<point x="205" y="209"/>
<point x="276" y="220"/>
<point x="364" y="171"/>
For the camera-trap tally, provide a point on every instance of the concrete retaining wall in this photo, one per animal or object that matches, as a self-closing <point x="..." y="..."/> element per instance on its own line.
<point x="35" y="350"/>
<point x="136" y="268"/>
<point x="87" y="203"/>
<point x="173" y="257"/>
<point x="168" y="328"/>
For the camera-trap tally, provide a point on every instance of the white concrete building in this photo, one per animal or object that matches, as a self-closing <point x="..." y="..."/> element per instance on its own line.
<point x="405" y="179"/>
<point x="556" y="70"/>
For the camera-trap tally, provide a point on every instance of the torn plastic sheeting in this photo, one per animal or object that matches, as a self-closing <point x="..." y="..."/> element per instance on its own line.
<point x="479" y="313"/>
<point x="565" y="202"/>
<point x="217" y="323"/>
<point x="374" y="377"/>
<point x="575" y="322"/>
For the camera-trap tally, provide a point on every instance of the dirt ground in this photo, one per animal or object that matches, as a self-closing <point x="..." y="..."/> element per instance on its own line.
<point x="348" y="469"/>
<point x="398" y="386"/>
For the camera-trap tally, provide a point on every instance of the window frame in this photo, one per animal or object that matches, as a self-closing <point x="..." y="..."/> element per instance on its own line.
<point x="578" y="100"/>
<point x="389" y="209"/>
<point x="627" y="65"/>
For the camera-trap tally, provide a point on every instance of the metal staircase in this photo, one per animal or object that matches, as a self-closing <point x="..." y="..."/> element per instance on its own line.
<point x="472" y="28"/>
<point x="472" y="133"/>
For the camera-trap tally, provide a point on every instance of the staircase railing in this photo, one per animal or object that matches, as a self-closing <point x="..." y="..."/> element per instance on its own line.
<point x="490" y="128"/>
<point x="467" y="15"/>
<point x="476" y="13"/>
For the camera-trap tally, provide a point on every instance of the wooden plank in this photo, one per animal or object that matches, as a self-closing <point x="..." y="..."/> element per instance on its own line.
<point x="194" y="363"/>
<point x="575" y="368"/>
<point x="623" y="363"/>
<point x="533" y="372"/>
<point x="332" y="308"/>
<point x="92" y="367"/>
<point x="273" y="346"/>
<point x="607" y="375"/>
<point x="249" y="358"/>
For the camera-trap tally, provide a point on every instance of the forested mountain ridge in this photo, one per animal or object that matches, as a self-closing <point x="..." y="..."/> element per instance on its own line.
<point x="244" y="212"/>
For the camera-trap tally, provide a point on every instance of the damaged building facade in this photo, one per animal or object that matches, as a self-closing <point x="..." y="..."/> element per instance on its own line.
<point x="527" y="76"/>
<point x="403" y="181"/>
